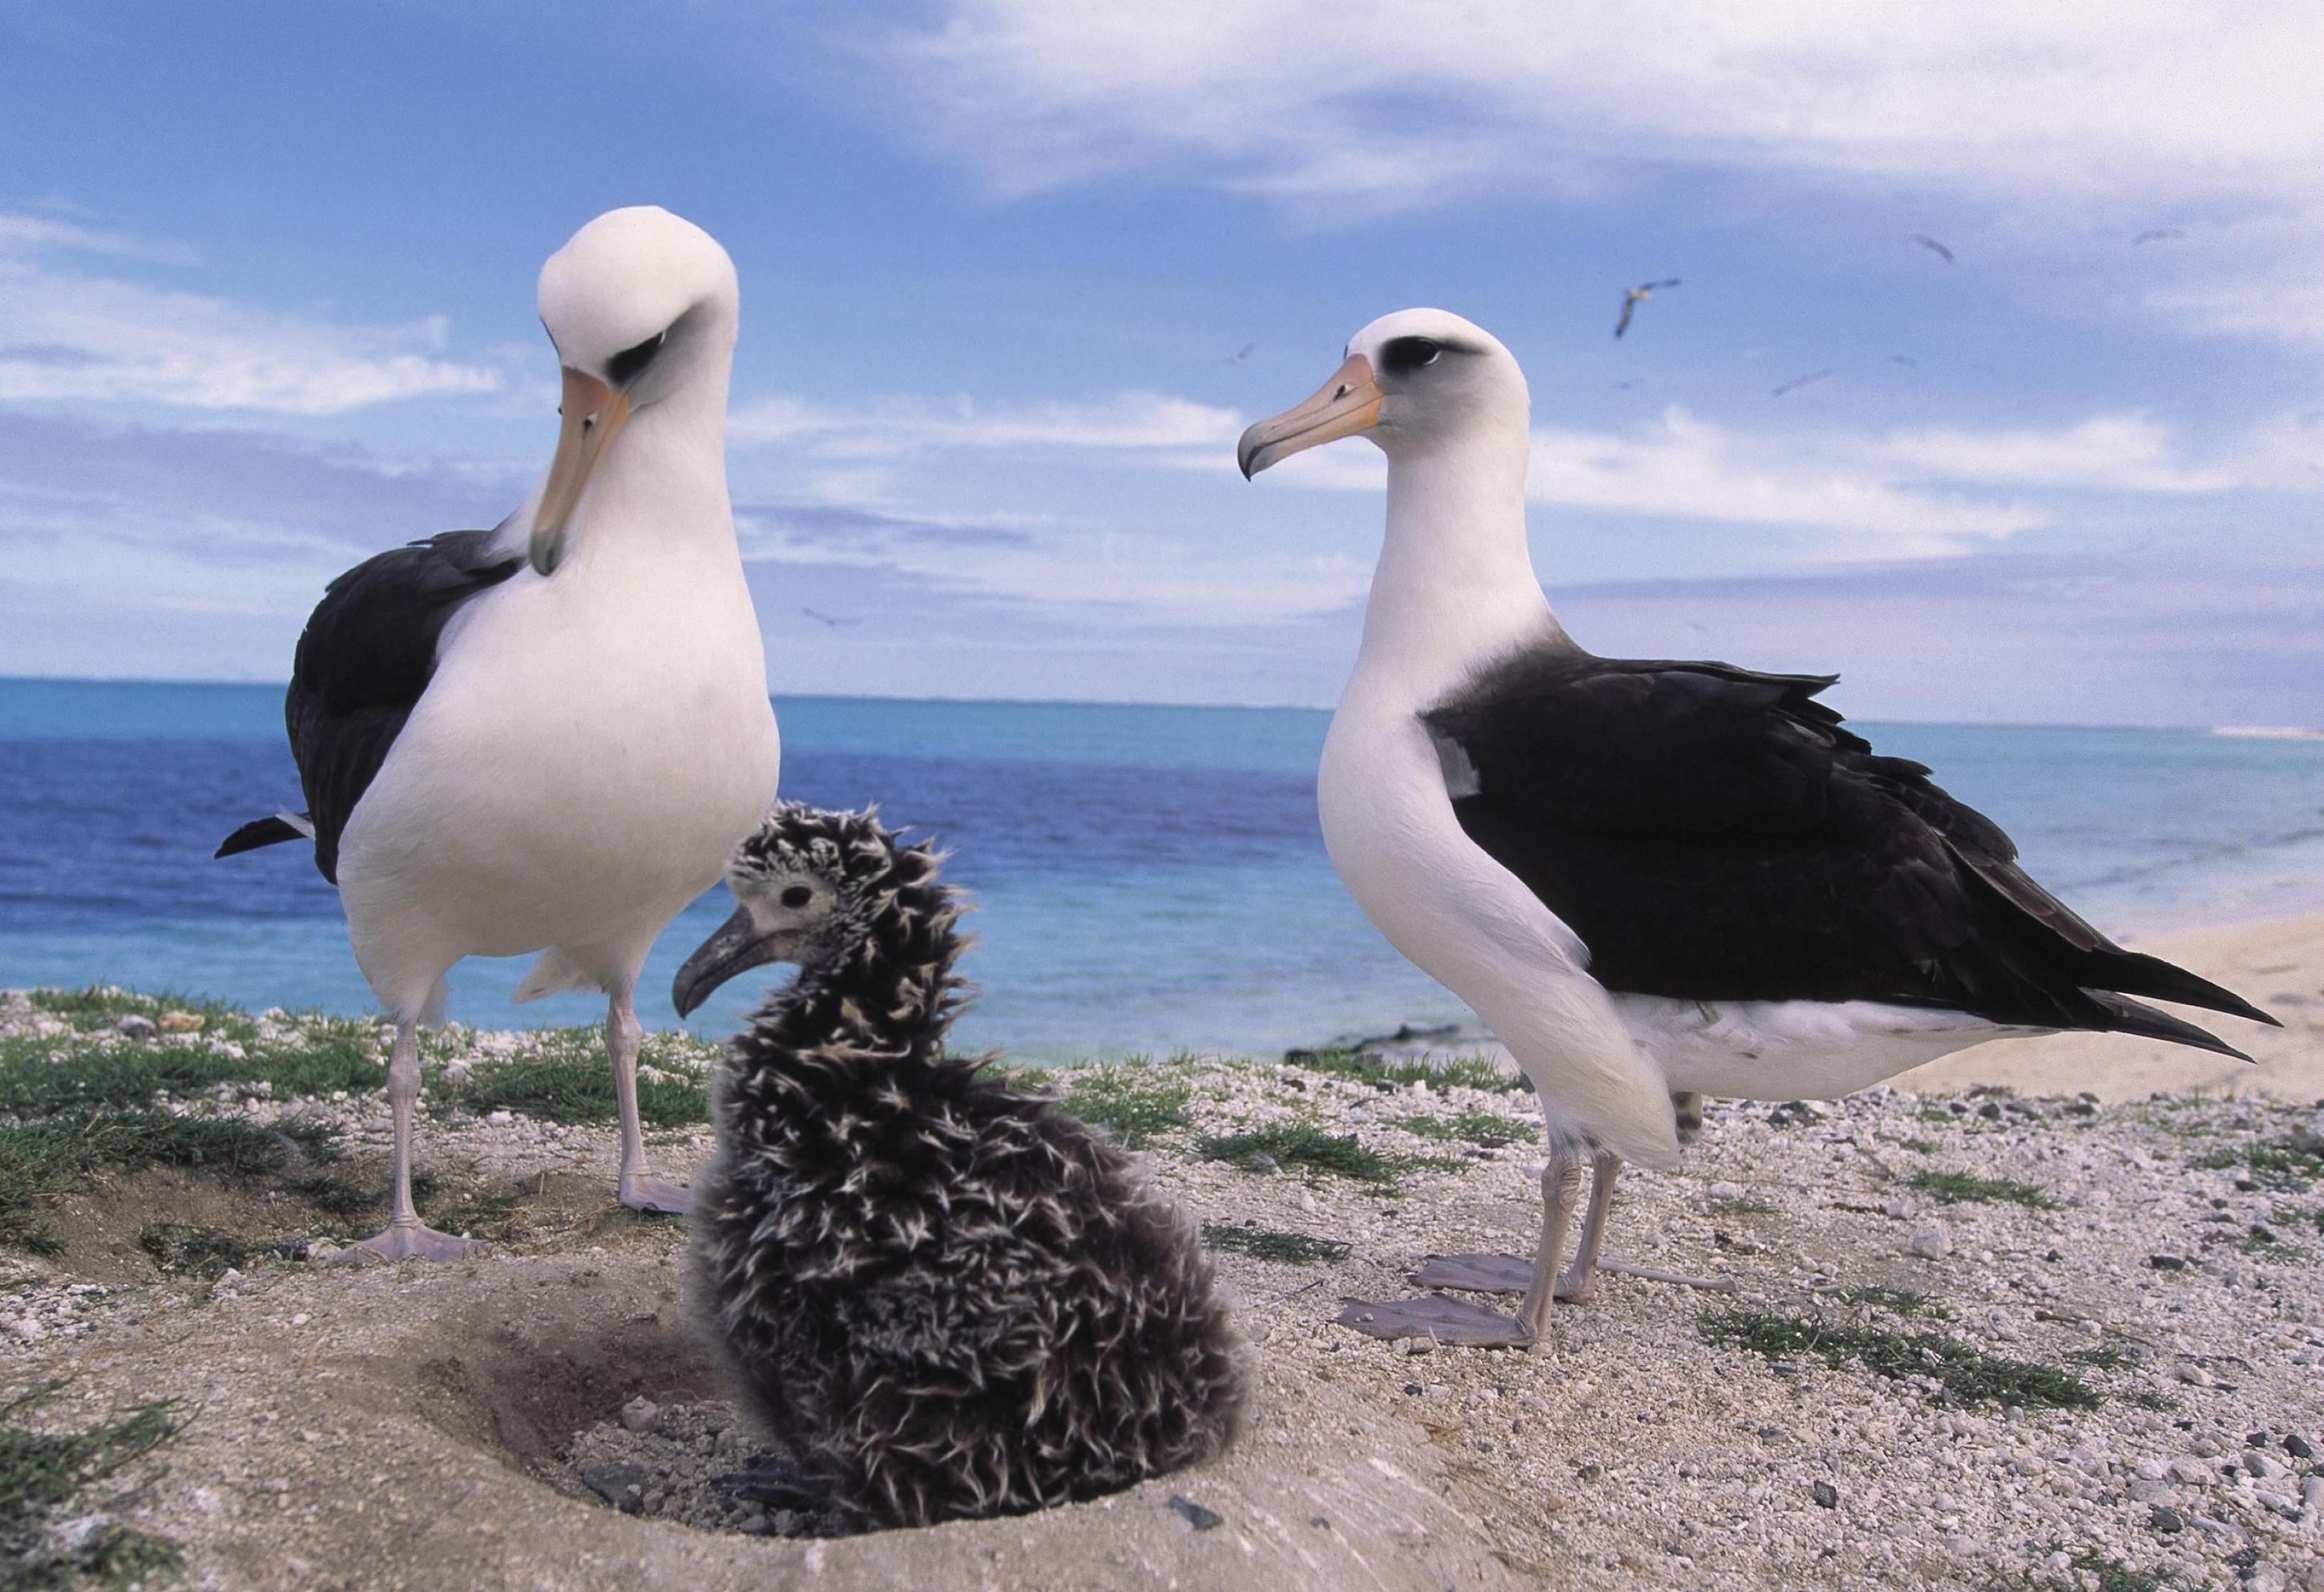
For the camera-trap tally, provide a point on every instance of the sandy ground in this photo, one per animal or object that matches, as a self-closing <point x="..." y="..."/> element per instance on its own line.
<point x="2276" y="963"/>
<point x="438" y="1427"/>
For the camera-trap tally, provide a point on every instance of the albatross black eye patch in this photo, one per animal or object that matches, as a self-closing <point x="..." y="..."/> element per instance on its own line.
<point x="624" y="367"/>
<point x="1409" y="353"/>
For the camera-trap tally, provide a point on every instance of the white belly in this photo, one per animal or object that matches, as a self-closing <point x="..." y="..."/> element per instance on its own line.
<point x="1794" y="1050"/>
<point x="580" y="768"/>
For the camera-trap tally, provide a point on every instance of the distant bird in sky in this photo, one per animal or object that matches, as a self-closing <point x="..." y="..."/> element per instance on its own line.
<point x="1904" y="359"/>
<point x="831" y="619"/>
<point x="1933" y="246"/>
<point x="1626" y="386"/>
<point x="1634" y="297"/>
<point x="2155" y="235"/>
<point x="1798" y="382"/>
<point x="1240" y="355"/>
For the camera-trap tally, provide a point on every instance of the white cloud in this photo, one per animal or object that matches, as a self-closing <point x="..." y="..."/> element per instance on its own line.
<point x="1127" y="422"/>
<point x="2112" y="452"/>
<point x="2063" y="128"/>
<point x="68" y="335"/>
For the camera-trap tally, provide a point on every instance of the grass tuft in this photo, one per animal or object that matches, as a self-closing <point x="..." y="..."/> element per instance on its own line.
<point x="41" y="1473"/>
<point x="41" y="1159"/>
<point x="1299" y="1145"/>
<point x="193" y="1250"/>
<point x="1953" y="1187"/>
<point x="1964" y="1372"/>
<point x="1129" y="1102"/>
<point x="1897" y="1301"/>
<point x="1293" y="1249"/>
<point x="1475" y="1072"/>
<point x="2287" y="1165"/>
<point x="1488" y="1128"/>
<point x="576" y="1085"/>
<point x="2105" y="1356"/>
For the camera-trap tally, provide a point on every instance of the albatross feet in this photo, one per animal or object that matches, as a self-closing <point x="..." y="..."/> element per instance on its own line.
<point x="1505" y="1274"/>
<point x="405" y="1240"/>
<point x="1438" y="1318"/>
<point x="644" y="1191"/>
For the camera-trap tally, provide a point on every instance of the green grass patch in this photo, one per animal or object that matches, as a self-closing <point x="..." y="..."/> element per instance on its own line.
<point x="1295" y="1249"/>
<point x="185" y="1250"/>
<point x="1897" y="1301"/>
<point x="43" y="1159"/>
<point x="2287" y="1165"/>
<point x="1739" y="1205"/>
<point x="100" y="1006"/>
<point x="1299" y="1145"/>
<point x="485" y="1216"/>
<point x="2266" y="1244"/>
<point x="1473" y="1126"/>
<point x="47" y="1474"/>
<point x="2105" y="1356"/>
<point x="1953" y="1187"/>
<point x="41" y="1078"/>
<point x="575" y="1084"/>
<point x="1921" y="1147"/>
<point x="1965" y="1373"/>
<point x="1475" y="1072"/>
<point x="2162" y="1404"/>
<point x="1130" y="1101"/>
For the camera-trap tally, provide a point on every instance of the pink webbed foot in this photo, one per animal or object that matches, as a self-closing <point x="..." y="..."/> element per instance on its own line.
<point x="404" y="1241"/>
<point x="643" y="1191"/>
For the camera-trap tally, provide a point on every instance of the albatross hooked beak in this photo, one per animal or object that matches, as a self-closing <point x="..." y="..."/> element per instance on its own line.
<point x="593" y="412"/>
<point x="738" y="946"/>
<point x="1347" y="404"/>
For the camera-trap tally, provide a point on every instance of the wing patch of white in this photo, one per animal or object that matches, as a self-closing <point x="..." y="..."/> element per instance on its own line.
<point x="1795" y="1049"/>
<point x="298" y="821"/>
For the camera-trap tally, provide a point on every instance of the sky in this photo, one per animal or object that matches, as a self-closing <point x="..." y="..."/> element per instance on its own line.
<point x="1016" y="273"/>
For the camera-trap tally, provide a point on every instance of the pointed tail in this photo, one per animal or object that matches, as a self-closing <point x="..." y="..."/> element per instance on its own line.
<point x="267" y="831"/>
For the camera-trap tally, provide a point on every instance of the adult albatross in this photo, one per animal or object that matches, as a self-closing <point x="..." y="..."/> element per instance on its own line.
<point x="1648" y="877"/>
<point x="549" y="736"/>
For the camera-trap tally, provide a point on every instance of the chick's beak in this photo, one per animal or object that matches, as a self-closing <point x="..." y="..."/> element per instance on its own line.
<point x="737" y="946"/>
<point x="593" y="412"/>
<point x="1346" y="405"/>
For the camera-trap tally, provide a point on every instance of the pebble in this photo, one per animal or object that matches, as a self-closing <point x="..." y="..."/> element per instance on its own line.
<point x="1932" y="1242"/>
<point x="1724" y="1190"/>
<point x="1825" y="1495"/>
<point x="640" y="1415"/>
<point x="500" y="1118"/>
<point x="135" y="1027"/>
<point x="2166" y="1520"/>
<point x="1199" y="1518"/>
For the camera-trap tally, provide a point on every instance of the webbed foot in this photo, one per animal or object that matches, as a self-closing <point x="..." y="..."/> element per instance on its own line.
<point x="411" y="1240"/>
<point x="644" y="1191"/>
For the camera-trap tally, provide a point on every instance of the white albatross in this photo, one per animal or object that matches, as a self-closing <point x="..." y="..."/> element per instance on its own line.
<point x="1649" y="878"/>
<point x="549" y="736"/>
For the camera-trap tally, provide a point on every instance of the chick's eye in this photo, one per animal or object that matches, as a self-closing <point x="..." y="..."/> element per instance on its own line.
<point x="1411" y="353"/>
<point x="798" y="896"/>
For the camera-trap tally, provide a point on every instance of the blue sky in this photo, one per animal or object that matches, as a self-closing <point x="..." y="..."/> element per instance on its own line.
<point x="266" y="306"/>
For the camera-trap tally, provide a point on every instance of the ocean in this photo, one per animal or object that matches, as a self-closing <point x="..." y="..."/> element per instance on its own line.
<point x="1147" y="879"/>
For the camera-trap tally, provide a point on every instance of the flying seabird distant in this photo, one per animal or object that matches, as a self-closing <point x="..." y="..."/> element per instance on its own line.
<point x="2155" y="235"/>
<point x="1796" y="383"/>
<point x="831" y="619"/>
<point x="1634" y="297"/>
<point x="1649" y="877"/>
<point x="1931" y="244"/>
<point x="1240" y="355"/>
<point x="549" y="736"/>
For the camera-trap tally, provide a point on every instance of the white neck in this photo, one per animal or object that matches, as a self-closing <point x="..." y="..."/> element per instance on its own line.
<point x="661" y="490"/>
<point x="1455" y="585"/>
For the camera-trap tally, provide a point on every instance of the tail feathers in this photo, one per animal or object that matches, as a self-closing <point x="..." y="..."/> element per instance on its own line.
<point x="2125" y="1016"/>
<point x="2136" y="973"/>
<point x="267" y="831"/>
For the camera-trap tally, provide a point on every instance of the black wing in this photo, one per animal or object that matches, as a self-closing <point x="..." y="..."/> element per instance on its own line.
<point x="367" y="653"/>
<point x="1715" y="834"/>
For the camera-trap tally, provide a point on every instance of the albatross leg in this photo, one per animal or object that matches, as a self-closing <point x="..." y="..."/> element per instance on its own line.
<point x="1561" y="1180"/>
<point x="1576" y="1282"/>
<point x="640" y="1188"/>
<point x="407" y="1237"/>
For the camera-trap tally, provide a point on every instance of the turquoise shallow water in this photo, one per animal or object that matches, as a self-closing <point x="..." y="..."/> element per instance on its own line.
<point x="1148" y="878"/>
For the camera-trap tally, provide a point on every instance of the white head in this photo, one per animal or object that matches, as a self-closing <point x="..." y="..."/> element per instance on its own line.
<point x="641" y="306"/>
<point x="1412" y="382"/>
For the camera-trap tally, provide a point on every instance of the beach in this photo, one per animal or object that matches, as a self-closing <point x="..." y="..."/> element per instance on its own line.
<point x="1977" y="1329"/>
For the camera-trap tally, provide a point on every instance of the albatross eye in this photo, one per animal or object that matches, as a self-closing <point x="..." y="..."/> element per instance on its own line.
<point x="798" y="896"/>
<point x="1410" y="352"/>
<point x="625" y="366"/>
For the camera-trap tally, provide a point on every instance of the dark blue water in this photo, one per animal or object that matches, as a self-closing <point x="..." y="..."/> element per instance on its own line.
<point x="1147" y="877"/>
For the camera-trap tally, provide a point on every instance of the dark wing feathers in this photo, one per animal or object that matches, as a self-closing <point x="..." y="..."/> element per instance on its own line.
<point x="368" y="651"/>
<point x="1716" y="834"/>
<point x="257" y="832"/>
